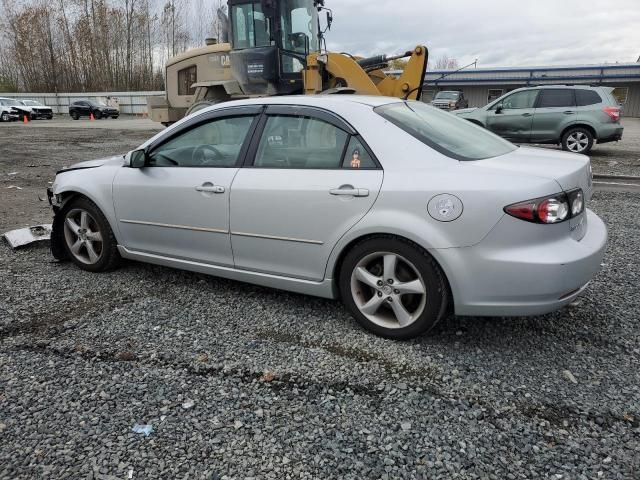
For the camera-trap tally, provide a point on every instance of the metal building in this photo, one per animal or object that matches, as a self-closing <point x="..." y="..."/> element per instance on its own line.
<point x="481" y="85"/>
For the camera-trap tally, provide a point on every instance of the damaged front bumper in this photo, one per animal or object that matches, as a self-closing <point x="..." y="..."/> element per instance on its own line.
<point x="57" y="227"/>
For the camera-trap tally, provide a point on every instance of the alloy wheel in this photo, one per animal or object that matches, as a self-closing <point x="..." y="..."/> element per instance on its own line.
<point x="577" y="142"/>
<point x="388" y="290"/>
<point x="83" y="236"/>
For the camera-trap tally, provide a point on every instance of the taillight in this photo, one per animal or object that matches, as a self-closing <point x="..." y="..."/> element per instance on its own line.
<point x="552" y="209"/>
<point x="613" y="112"/>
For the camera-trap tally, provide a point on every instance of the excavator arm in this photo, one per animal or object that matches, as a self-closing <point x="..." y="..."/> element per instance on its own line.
<point x="364" y="76"/>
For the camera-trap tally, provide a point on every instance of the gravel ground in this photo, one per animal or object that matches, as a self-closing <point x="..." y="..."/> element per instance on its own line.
<point x="240" y="381"/>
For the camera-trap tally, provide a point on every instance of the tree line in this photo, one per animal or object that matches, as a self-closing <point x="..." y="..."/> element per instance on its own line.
<point x="97" y="45"/>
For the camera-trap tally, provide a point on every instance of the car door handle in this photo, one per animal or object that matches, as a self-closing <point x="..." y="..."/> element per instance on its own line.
<point x="527" y="114"/>
<point x="352" y="192"/>
<point x="210" y="188"/>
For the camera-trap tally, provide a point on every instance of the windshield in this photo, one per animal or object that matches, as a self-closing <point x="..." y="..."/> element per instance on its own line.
<point x="9" y="102"/>
<point x="447" y="96"/>
<point x="299" y="26"/>
<point x="97" y="104"/>
<point x="31" y="103"/>
<point x="250" y="27"/>
<point x="452" y="136"/>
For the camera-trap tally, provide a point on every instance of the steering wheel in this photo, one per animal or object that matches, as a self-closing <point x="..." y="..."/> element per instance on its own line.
<point x="202" y="155"/>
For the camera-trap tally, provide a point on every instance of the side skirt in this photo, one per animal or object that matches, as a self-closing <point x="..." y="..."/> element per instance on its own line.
<point x="307" y="287"/>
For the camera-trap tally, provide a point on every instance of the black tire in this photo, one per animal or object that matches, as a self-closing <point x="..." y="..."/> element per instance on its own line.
<point x="4" y="117"/>
<point x="577" y="140"/>
<point x="198" y="106"/>
<point x="109" y="257"/>
<point x="97" y="114"/>
<point x="75" y="115"/>
<point x="114" y="117"/>
<point x="437" y="293"/>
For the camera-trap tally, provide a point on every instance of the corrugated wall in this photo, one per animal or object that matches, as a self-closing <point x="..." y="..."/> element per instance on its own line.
<point x="128" y="102"/>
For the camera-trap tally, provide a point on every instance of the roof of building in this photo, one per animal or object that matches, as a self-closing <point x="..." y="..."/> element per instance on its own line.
<point x="598" y="73"/>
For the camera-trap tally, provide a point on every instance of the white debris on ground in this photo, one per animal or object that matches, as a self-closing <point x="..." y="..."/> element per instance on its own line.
<point x="24" y="236"/>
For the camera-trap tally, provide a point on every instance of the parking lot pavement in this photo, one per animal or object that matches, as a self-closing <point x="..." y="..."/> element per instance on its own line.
<point x="619" y="158"/>
<point x="240" y="381"/>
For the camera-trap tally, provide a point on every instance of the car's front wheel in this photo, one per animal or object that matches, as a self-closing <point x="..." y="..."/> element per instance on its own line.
<point x="88" y="238"/>
<point x="75" y="115"/>
<point x="577" y="140"/>
<point x="4" y="117"/>
<point x="393" y="288"/>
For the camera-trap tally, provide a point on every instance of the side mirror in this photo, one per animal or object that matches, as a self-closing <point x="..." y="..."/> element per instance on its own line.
<point x="138" y="158"/>
<point x="499" y="108"/>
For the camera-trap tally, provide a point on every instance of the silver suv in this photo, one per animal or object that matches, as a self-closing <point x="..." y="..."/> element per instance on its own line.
<point x="572" y="116"/>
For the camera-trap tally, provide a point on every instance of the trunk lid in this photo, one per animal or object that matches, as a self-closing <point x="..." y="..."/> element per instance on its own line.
<point x="569" y="170"/>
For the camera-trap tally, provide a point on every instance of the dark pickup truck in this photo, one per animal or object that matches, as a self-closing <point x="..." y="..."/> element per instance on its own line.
<point x="450" y="100"/>
<point x="84" y="108"/>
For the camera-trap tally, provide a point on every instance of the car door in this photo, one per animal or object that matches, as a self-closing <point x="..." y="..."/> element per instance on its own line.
<point x="309" y="178"/>
<point x="177" y="205"/>
<point x="83" y="108"/>
<point x="512" y="116"/>
<point x="555" y="110"/>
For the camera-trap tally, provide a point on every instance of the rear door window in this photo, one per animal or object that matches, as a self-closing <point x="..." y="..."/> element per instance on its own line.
<point x="556" y="98"/>
<point x="587" y="97"/>
<point x="290" y="141"/>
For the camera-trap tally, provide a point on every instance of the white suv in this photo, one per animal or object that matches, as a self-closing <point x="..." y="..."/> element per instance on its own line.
<point x="8" y="111"/>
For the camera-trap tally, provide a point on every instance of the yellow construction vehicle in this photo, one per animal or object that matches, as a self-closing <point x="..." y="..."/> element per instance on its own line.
<point x="273" y="47"/>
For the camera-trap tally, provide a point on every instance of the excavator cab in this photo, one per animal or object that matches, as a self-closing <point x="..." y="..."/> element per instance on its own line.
<point x="270" y="42"/>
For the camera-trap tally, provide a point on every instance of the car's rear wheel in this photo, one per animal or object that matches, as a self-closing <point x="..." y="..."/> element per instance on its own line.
<point x="88" y="238"/>
<point x="577" y="140"/>
<point x="393" y="288"/>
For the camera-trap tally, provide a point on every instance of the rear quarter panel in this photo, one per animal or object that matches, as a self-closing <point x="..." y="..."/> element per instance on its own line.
<point x="414" y="174"/>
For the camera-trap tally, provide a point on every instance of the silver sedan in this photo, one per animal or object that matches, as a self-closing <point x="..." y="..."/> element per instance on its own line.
<point x="402" y="211"/>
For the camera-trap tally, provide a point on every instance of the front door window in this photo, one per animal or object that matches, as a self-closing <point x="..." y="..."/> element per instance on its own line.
<point x="213" y="144"/>
<point x="519" y="100"/>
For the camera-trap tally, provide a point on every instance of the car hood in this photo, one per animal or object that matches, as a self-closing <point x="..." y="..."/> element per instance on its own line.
<point x="462" y="111"/>
<point x="569" y="170"/>
<point x="115" y="160"/>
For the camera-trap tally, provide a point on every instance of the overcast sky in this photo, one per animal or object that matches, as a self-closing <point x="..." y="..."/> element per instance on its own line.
<point x="496" y="32"/>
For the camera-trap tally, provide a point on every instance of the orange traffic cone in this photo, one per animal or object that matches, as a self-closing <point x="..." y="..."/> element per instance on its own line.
<point x="91" y="117"/>
<point x="25" y="119"/>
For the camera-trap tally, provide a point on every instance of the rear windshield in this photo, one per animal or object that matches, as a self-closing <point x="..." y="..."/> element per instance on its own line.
<point x="452" y="136"/>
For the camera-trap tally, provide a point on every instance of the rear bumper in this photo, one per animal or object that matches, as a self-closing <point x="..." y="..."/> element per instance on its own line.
<point x="492" y="279"/>
<point x="612" y="135"/>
